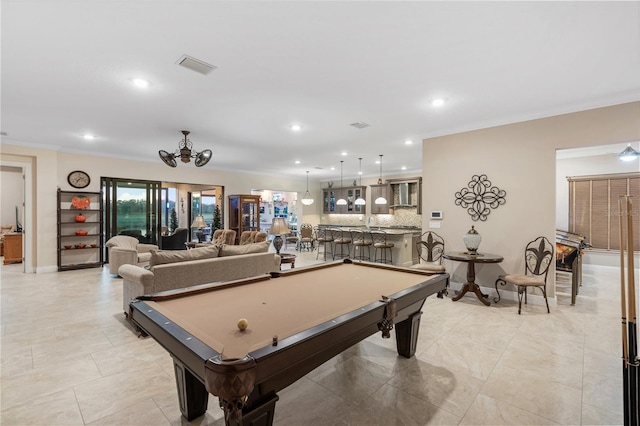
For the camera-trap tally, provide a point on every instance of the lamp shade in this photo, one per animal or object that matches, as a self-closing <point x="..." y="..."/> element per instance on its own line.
<point x="307" y="200"/>
<point x="198" y="222"/>
<point x="629" y="154"/>
<point x="279" y="226"/>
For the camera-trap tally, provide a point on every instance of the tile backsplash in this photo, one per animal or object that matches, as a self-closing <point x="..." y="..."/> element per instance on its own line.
<point x="402" y="216"/>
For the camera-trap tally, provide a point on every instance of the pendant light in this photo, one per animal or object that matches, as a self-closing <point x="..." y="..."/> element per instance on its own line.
<point x="341" y="201"/>
<point x="360" y="201"/>
<point x="306" y="198"/>
<point x="629" y="154"/>
<point x="380" y="199"/>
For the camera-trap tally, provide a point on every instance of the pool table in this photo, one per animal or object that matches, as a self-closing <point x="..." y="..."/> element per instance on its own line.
<point x="298" y="319"/>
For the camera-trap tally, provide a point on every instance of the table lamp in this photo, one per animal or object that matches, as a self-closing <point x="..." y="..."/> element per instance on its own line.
<point x="199" y="223"/>
<point x="279" y="227"/>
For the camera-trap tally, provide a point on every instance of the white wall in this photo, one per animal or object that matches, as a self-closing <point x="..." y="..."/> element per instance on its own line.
<point x="520" y="159"/>
<point x="51" y="169"/>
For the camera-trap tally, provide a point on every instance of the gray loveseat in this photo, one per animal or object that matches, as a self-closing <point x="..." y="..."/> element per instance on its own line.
<point x="169" y="270"/>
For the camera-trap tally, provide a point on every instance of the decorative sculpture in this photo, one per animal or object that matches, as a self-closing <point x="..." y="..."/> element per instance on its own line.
<point x="479" y="197"/>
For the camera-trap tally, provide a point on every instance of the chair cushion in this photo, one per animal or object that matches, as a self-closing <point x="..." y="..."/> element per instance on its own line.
<point x="233" y="250"/>
<point x="429" y="267"/>
<point x="159" y="257"/>
<point x="519" y="279"/>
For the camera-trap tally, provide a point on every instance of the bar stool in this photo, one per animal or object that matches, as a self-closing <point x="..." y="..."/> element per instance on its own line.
<point x="324" y="238"/>
<point x="341" y="239"/>
<point x="381" y="244"/>
<point x="360" y="241"/>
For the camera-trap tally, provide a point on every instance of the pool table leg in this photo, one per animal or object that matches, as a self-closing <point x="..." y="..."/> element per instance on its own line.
<point x="192" y="394"/>
<point x="407" y="335"/>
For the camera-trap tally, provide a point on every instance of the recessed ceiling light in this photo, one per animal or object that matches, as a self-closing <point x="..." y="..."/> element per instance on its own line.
<point x="408" y="142"/>
<point x="296" y="127"/>
<point x="88" y="137"/>
<point x="343" y="153"/>
<point x="438" y="102"/>
<point x="404" y="167"/>
<point x="297" y="161"/>
<point x="141" y="83"/>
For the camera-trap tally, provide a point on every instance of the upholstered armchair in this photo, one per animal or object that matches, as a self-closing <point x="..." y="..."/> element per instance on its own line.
<point x="250" y="237"/>
<point x="127" y="250"/>
<point x="176" y="241"/>
<point x="224" y="236"/>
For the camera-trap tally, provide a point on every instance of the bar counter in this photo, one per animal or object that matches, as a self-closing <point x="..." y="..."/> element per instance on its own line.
<point x="404" y="250"/>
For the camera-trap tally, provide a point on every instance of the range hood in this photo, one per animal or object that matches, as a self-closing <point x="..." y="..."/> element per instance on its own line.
<point x="403" y="195"/>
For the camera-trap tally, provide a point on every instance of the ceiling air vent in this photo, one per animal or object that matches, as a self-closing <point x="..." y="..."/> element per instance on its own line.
<point x="195" y="64"/>
<point x="359" y="125"/>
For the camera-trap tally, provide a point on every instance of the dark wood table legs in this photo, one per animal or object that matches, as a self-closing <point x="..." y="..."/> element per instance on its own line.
<point x="471" y="286"/>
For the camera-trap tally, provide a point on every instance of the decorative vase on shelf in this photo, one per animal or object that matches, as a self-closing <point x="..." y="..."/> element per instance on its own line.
<point x="472" y="241"/>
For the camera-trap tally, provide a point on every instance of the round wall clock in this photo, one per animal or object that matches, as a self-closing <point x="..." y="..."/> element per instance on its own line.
<point x="78" y="179"/>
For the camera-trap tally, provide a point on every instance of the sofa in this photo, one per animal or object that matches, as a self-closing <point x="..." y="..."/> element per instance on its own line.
<point x="124" y="249"/>
<point x="169" y="270"/>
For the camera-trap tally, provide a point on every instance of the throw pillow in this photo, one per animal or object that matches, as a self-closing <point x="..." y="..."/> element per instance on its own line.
<point x="159" y="257"/>
<point x="229" y="250"/>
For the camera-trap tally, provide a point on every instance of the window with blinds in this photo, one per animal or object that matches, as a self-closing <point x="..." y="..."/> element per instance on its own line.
<point x="594" y="211"/>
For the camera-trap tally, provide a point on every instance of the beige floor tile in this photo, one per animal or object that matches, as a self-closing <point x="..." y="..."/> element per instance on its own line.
<point x="353" y="380"/>
<point x="595" y="416"/>
<point x="488" y="411"/>
<point x="142" y="413"/>
<point x="308" y="403"/>
<point x="59" y="408"/>
<point x="450" y="390"/>
<point x="560" y="403"/>
<point x="46" y="380"/>
<point x="459" y="354"/>
<point x="393" y="406"/>
<point x="474" y="364"/>
<point x="114" y="393"/>
<point x="603" y="392"/>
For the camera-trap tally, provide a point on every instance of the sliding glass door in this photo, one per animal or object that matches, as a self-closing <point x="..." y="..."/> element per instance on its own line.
<point x="132" y="207"/>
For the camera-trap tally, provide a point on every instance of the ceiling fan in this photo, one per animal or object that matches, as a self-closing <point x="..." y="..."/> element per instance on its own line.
<point x="186" y="153"/>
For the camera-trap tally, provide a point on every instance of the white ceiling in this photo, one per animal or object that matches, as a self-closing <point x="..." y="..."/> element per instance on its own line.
<point x="67" y="68"/>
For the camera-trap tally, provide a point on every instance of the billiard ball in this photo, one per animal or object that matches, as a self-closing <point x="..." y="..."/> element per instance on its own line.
<point x="243" y="324"/>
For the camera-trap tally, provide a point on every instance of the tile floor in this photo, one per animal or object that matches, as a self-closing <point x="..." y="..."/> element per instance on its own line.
<point x="70" y="358"/>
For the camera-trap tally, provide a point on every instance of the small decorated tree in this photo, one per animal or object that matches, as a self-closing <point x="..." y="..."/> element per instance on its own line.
<point x="217" y="220"/>
<point x="173" y="225"/>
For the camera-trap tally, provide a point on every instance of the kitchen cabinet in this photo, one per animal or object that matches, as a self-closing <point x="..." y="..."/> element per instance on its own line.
<point x="80" y="230"/>
<point x="381" y="190"/>
<point x="244" y="214"/>
<point x="331" y="195"/>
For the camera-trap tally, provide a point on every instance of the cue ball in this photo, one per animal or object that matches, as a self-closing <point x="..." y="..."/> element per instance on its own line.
<point x="243" y="324"/>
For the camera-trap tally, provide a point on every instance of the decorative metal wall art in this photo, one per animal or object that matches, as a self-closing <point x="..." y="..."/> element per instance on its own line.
<point x="479" y="197"/>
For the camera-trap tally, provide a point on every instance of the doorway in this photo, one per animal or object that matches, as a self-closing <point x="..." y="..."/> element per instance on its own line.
<point x="133" y="208"/>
